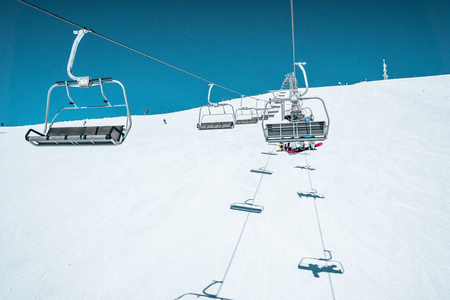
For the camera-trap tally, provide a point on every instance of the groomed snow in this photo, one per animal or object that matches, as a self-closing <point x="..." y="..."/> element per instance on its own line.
<point x="150" y="219"/>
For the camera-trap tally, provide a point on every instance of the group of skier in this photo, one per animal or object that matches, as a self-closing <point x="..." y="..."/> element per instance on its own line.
<point x="297" y="147"/>
<point x="297" y="115"/>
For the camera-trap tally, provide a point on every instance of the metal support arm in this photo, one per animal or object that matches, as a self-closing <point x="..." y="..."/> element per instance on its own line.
<point x="83" y="81"/>
<point x="300" y="65"/>
<point x="209" y="93"/>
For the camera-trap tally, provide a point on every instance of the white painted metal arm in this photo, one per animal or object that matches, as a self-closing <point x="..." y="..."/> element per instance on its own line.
<point x="209" y="93"/>
<point x="82" y="81"/>
<point x="300" y="65"/>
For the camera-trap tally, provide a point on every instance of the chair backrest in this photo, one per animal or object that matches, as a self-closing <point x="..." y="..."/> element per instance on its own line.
<point x="296" y="131"/>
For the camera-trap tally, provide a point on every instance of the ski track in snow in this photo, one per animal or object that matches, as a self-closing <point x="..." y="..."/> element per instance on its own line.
<point x="150" y="219"/>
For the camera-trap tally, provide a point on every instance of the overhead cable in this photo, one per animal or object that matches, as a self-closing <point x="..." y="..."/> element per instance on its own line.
<point x="132" y="49"/>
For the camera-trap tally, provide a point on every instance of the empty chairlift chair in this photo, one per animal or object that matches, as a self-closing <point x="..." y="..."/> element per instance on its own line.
<point x="216" y="115"/>
<point x="260" y="109"/>
<point x="81" y="135"/>
<point x="246" y="115"/>
<point x="300" y="124"/>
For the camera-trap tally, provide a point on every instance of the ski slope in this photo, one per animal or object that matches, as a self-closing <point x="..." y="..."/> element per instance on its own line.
<point x="150" y="219"/>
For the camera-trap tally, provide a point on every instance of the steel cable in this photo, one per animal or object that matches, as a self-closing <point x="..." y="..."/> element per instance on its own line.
<point x="133" y="49"/>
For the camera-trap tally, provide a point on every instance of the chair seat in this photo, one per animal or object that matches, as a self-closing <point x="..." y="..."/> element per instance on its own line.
<point x="247" y="121"/>
<point x="216" y="125"/>
<point x="86" y="135"/>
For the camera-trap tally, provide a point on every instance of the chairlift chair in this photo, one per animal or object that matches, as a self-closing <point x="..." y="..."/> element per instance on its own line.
<point x="295" y="129"/>
<point x="273" y="108"/>
<point x="260" y="109"/>
<point x="265" y="117"/>
<point x="246" y="115"/>
<point x="81" y="135"/>
<point x="217" y="111"/>
<point x="272" y="111"/>
<point x="247" y="207"/>
<point x="262" y="116"/>
<point x="318" y="265"/>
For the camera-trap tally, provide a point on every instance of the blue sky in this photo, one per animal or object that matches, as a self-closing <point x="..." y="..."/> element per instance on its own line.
<point x="243" y="45"/>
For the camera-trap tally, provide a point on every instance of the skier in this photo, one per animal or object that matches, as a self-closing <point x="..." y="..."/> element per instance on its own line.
<point x="280" y="146"/>
<point x="312" y="144"/>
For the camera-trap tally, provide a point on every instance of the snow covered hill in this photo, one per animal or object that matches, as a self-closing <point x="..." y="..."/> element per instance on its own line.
<point x="150" y="219"/>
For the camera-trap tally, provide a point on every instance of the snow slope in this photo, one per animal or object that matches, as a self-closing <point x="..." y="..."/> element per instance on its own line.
<point x="150" y="219"/>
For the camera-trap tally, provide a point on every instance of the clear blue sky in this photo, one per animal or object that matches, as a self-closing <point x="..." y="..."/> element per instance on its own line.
<point x="244" y="45"/>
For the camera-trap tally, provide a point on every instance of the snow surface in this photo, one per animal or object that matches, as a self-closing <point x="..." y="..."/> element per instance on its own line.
<point x="150" y="219"/>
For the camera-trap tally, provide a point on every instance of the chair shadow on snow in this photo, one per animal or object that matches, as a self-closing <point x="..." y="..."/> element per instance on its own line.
<point x="307" y="167"/>
<point x="310" y="194"/>
<point x="205" y="293"/>
<point x="316" y="269"/>
<point x="319" y="265"/>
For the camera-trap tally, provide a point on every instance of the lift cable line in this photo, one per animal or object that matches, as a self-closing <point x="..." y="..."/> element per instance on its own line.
<point x="325" y="252"/>
<point x="293" y="43"/>
<point x="131" y="48"/>
<point x="221" y="282"/>
<point x="243" y="229"/>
